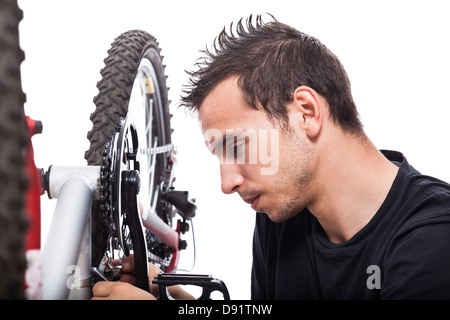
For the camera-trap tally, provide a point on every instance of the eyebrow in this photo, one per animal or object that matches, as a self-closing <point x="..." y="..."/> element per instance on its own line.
<point x="223" y="141"/>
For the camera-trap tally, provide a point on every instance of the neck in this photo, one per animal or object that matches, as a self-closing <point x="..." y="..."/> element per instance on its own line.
<point x="353" y="181"/>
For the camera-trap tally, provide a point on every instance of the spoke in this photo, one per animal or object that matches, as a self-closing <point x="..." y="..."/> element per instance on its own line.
<point x="148" y="128"/>
<point x="152" y="169"/>
<point x="155" y="198"/>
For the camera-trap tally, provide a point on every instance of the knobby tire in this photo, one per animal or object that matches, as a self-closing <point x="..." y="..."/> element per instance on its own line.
<point x="13" y="142"/>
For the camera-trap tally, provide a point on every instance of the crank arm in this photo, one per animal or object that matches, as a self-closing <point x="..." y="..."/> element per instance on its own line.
<point x="209" y="284"/>
<point x="130" y="188"/>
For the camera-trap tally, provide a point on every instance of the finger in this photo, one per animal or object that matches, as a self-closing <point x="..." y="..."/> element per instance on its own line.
<point x="101" y="289"/>
<point x="128" y="264"/>
<point x="153" y="271"/>
<point x="118" y="290"/>
<point x="127" y="277"/>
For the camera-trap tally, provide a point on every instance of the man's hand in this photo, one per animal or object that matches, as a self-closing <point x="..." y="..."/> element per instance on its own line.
<point x="118" y="290"/>
<point x="124" y="289"/>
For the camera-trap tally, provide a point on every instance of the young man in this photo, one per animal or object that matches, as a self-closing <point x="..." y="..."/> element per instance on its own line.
<point x="336" y="218"/>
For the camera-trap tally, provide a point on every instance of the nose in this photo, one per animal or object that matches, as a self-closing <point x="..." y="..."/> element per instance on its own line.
<point x="231" y="178"/>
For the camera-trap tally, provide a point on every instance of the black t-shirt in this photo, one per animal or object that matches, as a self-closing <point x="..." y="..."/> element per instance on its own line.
<point x="402" y="253"/>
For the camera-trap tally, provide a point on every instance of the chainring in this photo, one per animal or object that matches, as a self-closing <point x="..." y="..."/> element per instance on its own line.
<point x="118" y="157"/>
<point x="114" y="162"/>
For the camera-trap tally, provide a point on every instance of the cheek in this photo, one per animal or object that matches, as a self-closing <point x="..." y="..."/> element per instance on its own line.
<point x="267" y="151"/>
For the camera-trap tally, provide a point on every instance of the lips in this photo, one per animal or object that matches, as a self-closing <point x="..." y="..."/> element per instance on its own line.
<point x="253" y="202"/>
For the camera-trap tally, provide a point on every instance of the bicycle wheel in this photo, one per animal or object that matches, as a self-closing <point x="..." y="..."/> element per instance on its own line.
<point x="132" y="114"/>
<point x="13" y="141"/>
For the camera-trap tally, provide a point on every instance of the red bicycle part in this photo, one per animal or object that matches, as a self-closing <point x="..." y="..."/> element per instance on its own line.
<point x="34" y="191"/>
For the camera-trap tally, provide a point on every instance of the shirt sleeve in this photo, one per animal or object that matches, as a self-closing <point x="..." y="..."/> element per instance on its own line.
<point x="418" y="263"/>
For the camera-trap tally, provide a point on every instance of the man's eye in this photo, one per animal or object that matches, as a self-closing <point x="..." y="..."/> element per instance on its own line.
<point x="239" y="151"/>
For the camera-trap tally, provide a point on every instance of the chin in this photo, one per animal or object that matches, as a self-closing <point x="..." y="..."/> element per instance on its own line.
<point x="279" y="217"/>
<point x="283" y="214"/>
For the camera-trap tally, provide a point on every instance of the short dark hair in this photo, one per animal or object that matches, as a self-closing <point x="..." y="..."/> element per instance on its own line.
<point x="271" y="60"/>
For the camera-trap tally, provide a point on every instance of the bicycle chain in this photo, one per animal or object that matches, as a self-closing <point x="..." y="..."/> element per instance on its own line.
<point x="106" y="194"/>
<point x="106" y="207"/>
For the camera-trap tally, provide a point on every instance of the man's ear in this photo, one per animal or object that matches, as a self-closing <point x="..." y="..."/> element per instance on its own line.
<point x="308" y="107"/>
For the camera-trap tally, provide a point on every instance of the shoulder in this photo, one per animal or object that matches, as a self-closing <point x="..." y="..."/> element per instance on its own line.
<point x="429" y="200"/>
<point x="416" y="197"/>
<point x="416" y="262"/>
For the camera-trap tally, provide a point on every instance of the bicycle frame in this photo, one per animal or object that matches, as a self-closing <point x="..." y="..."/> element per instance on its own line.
<point x="65" y="259"/>
<point x="75" y="188"/>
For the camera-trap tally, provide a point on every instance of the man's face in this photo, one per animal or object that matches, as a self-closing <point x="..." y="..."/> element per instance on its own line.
<point x="267" y="166"/>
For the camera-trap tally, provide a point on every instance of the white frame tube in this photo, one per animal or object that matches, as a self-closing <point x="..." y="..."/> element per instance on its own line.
<point x="63" y="244"/>
<point x="59" y="175"/>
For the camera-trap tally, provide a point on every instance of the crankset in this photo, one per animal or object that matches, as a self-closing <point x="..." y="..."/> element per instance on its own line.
<point x="130" y="195"/>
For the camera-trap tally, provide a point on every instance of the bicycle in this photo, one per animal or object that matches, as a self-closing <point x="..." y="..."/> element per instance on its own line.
<point x="125" y="198"/>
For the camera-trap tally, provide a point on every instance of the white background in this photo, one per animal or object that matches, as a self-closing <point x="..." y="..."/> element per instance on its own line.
<point x="397" y="55"/>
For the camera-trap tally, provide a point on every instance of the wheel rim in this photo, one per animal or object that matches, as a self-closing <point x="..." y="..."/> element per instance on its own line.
<point x="144" y="110"/>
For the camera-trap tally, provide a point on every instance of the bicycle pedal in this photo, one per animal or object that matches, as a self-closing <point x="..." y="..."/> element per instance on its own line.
<point x="206" y="282"/>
